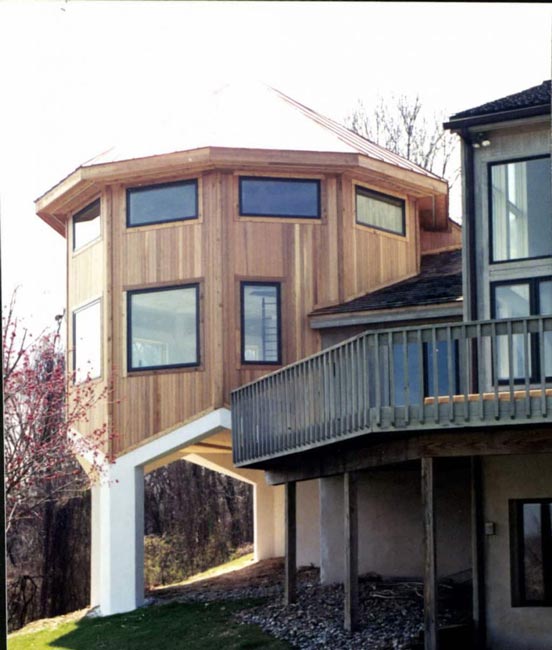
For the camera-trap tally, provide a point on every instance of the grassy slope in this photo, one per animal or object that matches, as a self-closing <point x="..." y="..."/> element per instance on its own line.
<point x="165" y="627"/>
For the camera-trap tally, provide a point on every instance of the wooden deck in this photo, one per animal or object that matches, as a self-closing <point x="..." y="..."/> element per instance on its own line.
<point x="460" y="375"/>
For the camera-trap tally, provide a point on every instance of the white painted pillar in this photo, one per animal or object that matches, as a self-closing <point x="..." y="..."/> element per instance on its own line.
<point x="332" y="567"/>
<point x="263" y="520"/>
<point x="95" y="546"/>
<point x="121" y="523"/>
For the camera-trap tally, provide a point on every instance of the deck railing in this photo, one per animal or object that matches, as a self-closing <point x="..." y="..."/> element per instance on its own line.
<point x="430" y="377"/>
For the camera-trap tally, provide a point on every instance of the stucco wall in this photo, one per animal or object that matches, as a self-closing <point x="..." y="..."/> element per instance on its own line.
<point x="390" y="522"/>
<point x="512" y="477"/>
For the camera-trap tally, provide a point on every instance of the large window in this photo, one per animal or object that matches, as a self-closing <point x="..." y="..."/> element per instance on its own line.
<point x="260" y="323"/>
<point x="531" y="549"/>
<point x="162" y="203"/>
<point x="86" y="225"/>
<point x="87" y="342"/>
<point x="521" y="209"/>
<point x="520" y="355"/>
<point x="380" y="211"/>
<point x="163" y="327"/>
<point x="279" y="197"/>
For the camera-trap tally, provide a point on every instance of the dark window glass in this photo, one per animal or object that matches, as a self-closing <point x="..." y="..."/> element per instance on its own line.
<point x="87" y="342"/>
<point x="380" y="211"/>
<point x="521" y="209"/>
<point x="163" y="328"/>
<point x="160" y="203"/>
<point x="531" y="547"/>
<point x="260" y="307"/>
<point x="86" y="225"/>
<point x="280" y="197"/>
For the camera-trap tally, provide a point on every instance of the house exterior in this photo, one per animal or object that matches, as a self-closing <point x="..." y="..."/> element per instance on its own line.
<point x="195" y="254"/>
<point x="430" y="430"/>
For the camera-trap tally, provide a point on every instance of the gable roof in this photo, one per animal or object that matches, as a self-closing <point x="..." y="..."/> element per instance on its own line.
<point x="439" y="282"/>
<point x="250" y="116"/>
<point x="532" y="101"/>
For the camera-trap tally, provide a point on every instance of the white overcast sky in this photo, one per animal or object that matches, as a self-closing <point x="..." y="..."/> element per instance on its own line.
<point x="75" y="76"/>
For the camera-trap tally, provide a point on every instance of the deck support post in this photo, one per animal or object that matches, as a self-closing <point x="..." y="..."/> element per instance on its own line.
<point x="430" y="556"/>
<point x="478" y="553"/>
<point x="351" y="551"/>
<point x="290" y="593"/>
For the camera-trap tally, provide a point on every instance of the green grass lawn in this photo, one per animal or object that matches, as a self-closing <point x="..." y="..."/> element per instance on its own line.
<point x="174" y="626"/>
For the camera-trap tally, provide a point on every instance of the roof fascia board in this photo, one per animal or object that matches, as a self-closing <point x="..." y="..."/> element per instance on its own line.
<point x="418" y="182"/>
<point x="383" y="316"/>
<point x="493" y="118"/>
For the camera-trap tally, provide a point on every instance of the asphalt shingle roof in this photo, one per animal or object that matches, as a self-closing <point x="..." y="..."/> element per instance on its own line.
<point x="534" y="96"/>
<point x="439" y="281"/>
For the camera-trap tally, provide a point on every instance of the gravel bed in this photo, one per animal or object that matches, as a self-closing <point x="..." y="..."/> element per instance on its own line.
<point x="391" y="616"/>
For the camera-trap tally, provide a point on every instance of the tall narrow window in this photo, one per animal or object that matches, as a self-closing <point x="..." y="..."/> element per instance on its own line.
<point x="260" y="323"/>
<point x="87" y="342"/>
<point x="531" y="548"/>
<point x="521" y="209"/>
<point x="380" y="211"/>
<point x="162" y="203"/>
<point x="163" y="327"/>
<point x="512" y="301"/>
<point x="280" y="197"/>
<point x="86" y="225"/>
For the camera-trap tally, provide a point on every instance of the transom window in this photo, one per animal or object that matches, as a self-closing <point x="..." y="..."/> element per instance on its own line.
<point x="279" y="197"/>
<point x="517" y="299"/>
<point x="163" y="327"/>
<point x="380" y="211"/>
<point x="162" y="203"/>
<point x="521" y="209"/>
<point x="87" y="343"/>
<point x="531" y="552"/>
<point x="260" y="323"/>
<point x="86" y="225"/>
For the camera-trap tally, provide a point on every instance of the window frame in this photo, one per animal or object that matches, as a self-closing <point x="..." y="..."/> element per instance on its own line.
<point x="274" y="215"/>
<point x="74" y="221"/>
<point x="534" y="310"/>
<point x="174" y="366"/>
<point x="278" y="286"/>
<point x="144" y="188"/>
<point x="384" y="198"/>
<point x="96" y="301"/>
<point x="490" y="165"/>
<point x="517" y="568"/>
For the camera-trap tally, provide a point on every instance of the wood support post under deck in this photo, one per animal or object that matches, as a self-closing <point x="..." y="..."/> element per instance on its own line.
<point x="478" y="553"/>
<point x="430" y="555"/>
<point x="290" y="593"/>
<point x="351" y="551"/>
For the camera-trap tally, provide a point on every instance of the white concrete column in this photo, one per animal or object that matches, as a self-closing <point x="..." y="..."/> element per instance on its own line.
<point x="95" y="546"/>
<point x="263" y="521"/>
<point x="308" y="523"/>
<point x="332" y="568"/>
<point x="121" y="523"/>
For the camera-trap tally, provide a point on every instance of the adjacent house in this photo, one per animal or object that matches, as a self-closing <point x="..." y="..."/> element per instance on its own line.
<point x="286" y="302"/>
<point x="430" y="430"/>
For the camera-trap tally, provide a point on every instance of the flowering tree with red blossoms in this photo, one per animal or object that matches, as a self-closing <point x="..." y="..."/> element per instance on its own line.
<point x="40" y="414"/>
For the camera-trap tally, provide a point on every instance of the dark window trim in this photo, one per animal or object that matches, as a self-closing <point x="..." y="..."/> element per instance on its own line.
<point x="257" y="283"/>
<point x="77" y="216"/>
<point x="144" y="188"/>
<point x="534" y="310"/>
<point x="490" y="165"/>
<point x="194" y="364"/>
<point x="316" y="181"/>
<point x="517" y="569"/>
<point x="74" y="337"/>
<point x="385" y="198"/>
